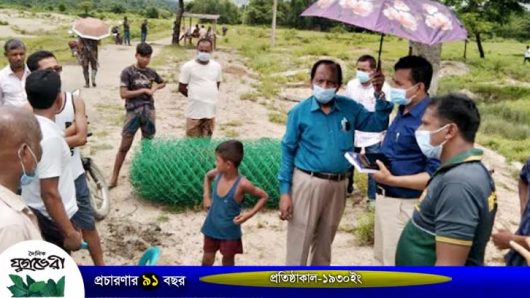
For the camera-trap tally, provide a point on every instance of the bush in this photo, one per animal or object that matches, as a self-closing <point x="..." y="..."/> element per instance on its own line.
<point x="118" y="9"/>
<point x="62" y="7"/>
<point x="152" y="13"/>
<point x="364" y="231"/>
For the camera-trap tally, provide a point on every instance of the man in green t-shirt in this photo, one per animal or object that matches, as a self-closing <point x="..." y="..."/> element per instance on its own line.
<point x="452" y="222"/>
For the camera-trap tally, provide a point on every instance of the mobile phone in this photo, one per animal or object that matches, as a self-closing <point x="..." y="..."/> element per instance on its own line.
<point x="371" y="159"/>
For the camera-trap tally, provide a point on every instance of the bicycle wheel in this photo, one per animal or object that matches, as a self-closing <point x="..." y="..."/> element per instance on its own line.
<point x="99" y="192"/>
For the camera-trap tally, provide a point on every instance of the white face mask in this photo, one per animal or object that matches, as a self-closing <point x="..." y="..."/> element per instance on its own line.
<point x="399" y="96"/>
<point x="29" y="176"/>
<point x="423" y="138"/>
<point x="204" y="56"/>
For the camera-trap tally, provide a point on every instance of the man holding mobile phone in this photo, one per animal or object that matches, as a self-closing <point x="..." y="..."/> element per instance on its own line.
<point x="400" y="185"/>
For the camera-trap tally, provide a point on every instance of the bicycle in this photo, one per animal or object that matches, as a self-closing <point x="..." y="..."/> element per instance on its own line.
<point x="99" y="191"/>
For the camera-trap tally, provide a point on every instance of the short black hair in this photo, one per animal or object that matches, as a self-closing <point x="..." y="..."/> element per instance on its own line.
<point x="144" y="49"/>
<point x="231" y="150"/>
<point x="420" y="69"/>
<point x="205" y="40"/>
<point x="370" y="59"/>
<point x="459" y="109"/>
<point x="334" y="65"/>
<point x="42" y="88"/>
<point x="34" y="59"/>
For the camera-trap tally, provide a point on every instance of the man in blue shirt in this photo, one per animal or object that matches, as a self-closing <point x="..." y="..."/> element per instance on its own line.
<point x="313" y="169"/>
<point x="400" y="185"/>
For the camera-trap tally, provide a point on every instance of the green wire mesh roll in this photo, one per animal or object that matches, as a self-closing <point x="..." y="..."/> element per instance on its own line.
<point x="171" y="171"/>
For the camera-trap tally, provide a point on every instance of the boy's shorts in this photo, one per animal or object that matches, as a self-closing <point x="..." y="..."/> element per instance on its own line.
<point x="227" y="247"/>
<point x="143" y="118"/>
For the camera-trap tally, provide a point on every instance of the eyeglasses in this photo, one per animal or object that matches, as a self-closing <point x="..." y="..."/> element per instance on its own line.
<point x="56" y="68"/>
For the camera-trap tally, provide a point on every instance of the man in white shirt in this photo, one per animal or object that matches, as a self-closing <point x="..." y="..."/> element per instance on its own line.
<point x="361" y="90"/>
<point x="72" y="119"/>
<point x="199" y="80"/>
<point x="52" y="196"/>
<point x="19" y="154"/>
<point x="13" y="76"/>
<point x="526" y="54"/>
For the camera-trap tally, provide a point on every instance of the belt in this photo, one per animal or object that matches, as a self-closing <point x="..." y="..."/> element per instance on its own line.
<point x="332" y="177"/>
<point x="381" y="191"/>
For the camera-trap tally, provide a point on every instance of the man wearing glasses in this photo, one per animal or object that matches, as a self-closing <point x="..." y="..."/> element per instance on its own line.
<point x="73" y="120"/>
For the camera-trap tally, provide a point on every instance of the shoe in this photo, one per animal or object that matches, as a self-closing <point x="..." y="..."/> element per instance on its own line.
<point x="93" y="84"/>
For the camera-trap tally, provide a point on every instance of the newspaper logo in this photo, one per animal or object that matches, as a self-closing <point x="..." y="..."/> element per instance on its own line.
<point x="39" y="269"/>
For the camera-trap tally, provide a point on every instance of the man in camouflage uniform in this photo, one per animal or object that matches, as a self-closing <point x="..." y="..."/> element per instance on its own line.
<point x="88" y="51"/>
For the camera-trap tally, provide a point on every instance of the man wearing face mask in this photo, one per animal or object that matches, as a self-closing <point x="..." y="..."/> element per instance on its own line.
<point x="400" y="185"/>
<point x="452" y="223"/>
<point x="313" y="173"/>
<point x="199" y="81"/>
<point x="19" y="154"/>
<point x="52" y="194"/>
<point x="361" y="90"/>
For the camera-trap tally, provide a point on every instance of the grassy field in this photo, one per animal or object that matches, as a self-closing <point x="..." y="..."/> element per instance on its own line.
<point x="498" y="81"/>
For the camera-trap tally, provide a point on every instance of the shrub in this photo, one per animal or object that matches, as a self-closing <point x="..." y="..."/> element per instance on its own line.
<point x="152" y="13"/>
<point x="118" y="9"/>
<point x="364" y="231"/>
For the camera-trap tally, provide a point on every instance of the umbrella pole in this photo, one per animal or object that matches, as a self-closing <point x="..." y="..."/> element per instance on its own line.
<point x="380" y="50"/>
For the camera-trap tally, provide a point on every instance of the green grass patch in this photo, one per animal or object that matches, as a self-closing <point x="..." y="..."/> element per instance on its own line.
<point x="364" y="231"/>
<point x="277" y="117"/>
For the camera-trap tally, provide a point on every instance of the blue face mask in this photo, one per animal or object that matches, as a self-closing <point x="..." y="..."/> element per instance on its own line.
<point x="322" y="95"/>
<point x="28" y="177"/>
<point x="203" y="56"/>
<point x="362" y="76"/>
<point x="399" y="96"/>
<point x="423" y="138"/>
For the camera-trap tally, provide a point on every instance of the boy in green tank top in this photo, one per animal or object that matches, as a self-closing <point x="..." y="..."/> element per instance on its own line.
<point x="222" y="227"/>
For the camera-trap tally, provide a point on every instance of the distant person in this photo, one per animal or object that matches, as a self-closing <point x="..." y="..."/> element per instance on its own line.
<point x="313" y="171"/>
<point x="138" y="84"/>
<point x="196" y="31"/>
<point x="116" y="34"/>
<point x="362" y="91"/>
<point x="88" y="51"/>
<point x="20" y="153"/>
<point x="225" y="30"/>
<point x="199" y="81"/>
<point x="222" y="226"/>
<point x="203" y="33"/>
<point x="126" y="32"/>
<point x="503" y="237"/>
<point x="52" y="195"/>
<point x="526" y="54"/>
<point x="401" y="184"/>
<point x="143" y="30"/>
<point x="452" y="222"/>
<point x="72" y="119"/>
<point x="13" y="76"/>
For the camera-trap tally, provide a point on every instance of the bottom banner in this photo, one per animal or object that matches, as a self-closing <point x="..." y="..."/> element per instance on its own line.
<point x="176" y="281"/>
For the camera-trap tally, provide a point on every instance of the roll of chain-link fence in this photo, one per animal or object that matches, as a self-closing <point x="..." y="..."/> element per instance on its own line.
<point x="171" y="171"/>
